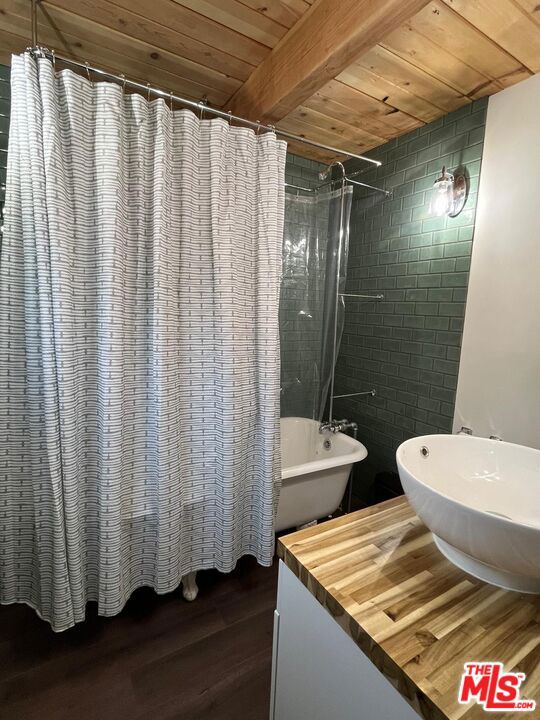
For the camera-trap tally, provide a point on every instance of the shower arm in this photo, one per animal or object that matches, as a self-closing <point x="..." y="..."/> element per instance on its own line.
<point x="355" y="394"/>
<point x="362" y="297"/>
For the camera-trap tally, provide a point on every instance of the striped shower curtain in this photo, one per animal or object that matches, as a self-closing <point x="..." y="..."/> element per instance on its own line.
<point x="139" y="344"/>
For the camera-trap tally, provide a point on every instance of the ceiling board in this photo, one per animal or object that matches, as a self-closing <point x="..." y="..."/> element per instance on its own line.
<point x="387" y="92"/>
<point x="403" y="74"/>
<point x="52" y="18"/>
<point x="342" y="130"/>
<point x="9" y="44"/>
<point x="199" y="27"/>
<point x="457" y="36"/>
<point x="110" y="59"/>
<point x="532" y="8"/>
<point x="154" y="33"/>
<point x="284" y="12"/>
<point x="364" y="106"/>
<point x="374" y="125"/>
<point x="302" y="129"/>
<point x="422" y="52"/>
<point x="507" y="24"/>
<point x="447" y="54"/>
<point x="513" y="78"/>
<point x="240" y="18"/>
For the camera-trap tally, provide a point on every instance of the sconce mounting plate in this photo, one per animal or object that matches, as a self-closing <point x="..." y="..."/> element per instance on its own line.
<point x="460" y="191"/>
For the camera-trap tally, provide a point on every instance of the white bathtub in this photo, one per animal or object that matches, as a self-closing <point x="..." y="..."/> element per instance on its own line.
<point x="313" y="477"/>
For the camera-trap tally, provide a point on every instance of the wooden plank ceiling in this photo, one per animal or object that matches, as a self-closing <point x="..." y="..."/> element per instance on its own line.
<point x="350" y="75"/>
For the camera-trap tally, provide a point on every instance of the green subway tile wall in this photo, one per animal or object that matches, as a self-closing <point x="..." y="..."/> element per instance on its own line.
<point x="407" y="346"/>
<point x="303" y="172"/>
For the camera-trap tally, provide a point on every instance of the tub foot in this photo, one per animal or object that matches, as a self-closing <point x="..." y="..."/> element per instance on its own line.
<point x="190" y="588"/>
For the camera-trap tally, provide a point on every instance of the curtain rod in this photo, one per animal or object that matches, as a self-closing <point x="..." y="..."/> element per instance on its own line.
<point x="348" y="179"/>
<point x="39" y="51"/>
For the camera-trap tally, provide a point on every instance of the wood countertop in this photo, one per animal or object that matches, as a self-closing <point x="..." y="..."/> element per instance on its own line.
<point x="416" y="616"/>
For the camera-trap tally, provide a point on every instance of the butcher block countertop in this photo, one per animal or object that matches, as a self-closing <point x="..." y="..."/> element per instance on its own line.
<point x="416" y="616"/>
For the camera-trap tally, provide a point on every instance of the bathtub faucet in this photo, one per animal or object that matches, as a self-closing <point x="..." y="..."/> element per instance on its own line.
<point x="335" y="426"/>
<point x="328" y="427"/>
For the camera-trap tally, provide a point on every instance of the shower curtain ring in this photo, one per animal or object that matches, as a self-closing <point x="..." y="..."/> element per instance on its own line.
<point x="87" y="65"/>
<point x="170" y="99"/>
<point x="258" y="131"/>
<point x="123" y="83"/>
<point x="202" y="105"/>
<point x="229" y="112"/>
<point x="53" y="57"/>
<point x="148" y="93"/>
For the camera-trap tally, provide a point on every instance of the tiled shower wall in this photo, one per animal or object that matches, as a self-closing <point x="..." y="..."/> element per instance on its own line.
<point x="303" y="172"/>
<point x="407" y="346"/>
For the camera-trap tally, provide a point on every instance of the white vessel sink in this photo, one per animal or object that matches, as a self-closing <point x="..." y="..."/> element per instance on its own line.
<point x="481" y="500"/>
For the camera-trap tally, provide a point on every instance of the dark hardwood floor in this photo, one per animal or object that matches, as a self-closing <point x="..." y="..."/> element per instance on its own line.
<point x="160" y="659"/>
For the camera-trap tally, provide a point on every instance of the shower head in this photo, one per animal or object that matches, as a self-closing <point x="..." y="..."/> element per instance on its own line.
<point x="326" y="173"/>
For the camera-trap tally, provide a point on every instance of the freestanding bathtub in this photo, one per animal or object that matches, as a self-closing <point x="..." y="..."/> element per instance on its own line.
<point x="315" y="468"/>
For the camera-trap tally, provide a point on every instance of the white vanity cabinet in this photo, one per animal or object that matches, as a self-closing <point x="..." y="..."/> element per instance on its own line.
<point x="318" y="672"/>
<point x="371" y="590"/>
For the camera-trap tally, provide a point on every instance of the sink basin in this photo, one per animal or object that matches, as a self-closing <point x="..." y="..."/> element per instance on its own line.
<point x="481" y="500"/>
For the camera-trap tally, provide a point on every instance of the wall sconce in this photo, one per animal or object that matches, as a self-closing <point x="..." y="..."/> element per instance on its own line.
<point x="449" y="194"/>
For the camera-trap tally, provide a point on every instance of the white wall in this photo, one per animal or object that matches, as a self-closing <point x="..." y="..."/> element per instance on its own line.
<point x="499" y="375"/>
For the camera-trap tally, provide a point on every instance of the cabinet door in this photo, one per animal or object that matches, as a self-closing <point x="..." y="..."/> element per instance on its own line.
<point x="319" y="672"/>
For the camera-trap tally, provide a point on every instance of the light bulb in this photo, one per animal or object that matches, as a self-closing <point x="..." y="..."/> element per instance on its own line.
<point x="442" y="194"/>
<point x="439" y="205"/>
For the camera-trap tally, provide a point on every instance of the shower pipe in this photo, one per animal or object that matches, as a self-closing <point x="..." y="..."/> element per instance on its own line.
<point x="354" y="428"/>
<point x="38" y="51"/>
<point x="34" y="23"/>
<point x="338" y="273"/>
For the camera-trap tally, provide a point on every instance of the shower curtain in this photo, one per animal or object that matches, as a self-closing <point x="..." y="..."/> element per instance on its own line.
<point x="313" y="231"/>
<point x="139" y="358"/>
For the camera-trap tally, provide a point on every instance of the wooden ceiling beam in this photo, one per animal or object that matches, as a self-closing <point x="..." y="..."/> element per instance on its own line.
<point x="326" y="39"/>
